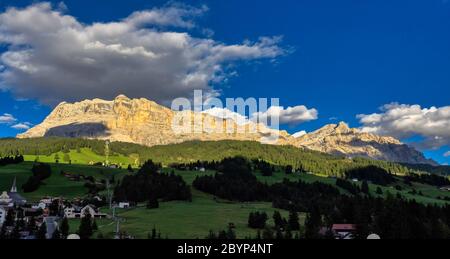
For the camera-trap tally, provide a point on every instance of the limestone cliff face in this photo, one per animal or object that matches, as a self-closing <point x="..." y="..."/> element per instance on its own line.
<point x="339" y="139"/>
<point x="145" y="122"/>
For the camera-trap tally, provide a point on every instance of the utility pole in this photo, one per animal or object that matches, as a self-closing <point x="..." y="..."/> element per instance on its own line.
<point x="106" y="152"/>
<point x="109" y="193"/>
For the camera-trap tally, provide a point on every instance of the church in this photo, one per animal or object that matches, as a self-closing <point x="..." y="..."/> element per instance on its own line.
<point x="11" y="198"/>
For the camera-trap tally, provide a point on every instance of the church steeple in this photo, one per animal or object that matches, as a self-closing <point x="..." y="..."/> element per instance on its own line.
<point x="14" y="187"/>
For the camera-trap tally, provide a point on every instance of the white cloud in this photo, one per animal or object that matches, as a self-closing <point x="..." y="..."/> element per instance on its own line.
<point x="10" y="120"/>
<point x="22" y="126"/>
<point x="290" y="115"/>
<point x="7" y="118"/>
<point x="405" y="121"/>
<point x="447" y="154"/>
<point x="179" y="15"/>
<point x="54" y="57"/>
<point x="224" y="113"/>
<point x="299" y="134"/>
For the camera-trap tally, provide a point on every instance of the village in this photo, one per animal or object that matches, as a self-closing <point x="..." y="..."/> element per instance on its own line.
<point x="46" y="216"/>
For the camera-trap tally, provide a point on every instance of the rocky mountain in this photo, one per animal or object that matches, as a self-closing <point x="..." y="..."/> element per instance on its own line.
<point x="145" y="122"/>
<point x="339" y="139"/>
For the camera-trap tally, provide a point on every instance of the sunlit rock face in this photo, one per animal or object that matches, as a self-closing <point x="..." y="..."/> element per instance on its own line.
<point x="145" y="122"/>
<point x="339" y="139"/>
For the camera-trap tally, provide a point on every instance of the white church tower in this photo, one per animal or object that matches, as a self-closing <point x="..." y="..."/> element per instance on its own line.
<point x="14" y="186"/>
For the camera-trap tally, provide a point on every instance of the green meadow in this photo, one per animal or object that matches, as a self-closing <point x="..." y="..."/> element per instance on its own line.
<point x="173" y="219"/>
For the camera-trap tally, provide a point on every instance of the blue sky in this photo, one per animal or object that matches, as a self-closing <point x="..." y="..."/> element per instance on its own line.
<point x="344" y="58"/>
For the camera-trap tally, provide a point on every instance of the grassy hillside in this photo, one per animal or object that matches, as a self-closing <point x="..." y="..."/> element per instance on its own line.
<point x="188" y="220"/>
<point x="82" y="156"/>
<point x="56" y="185"/>
<point x="82" y="151"/>
<point x="182" y="219"/>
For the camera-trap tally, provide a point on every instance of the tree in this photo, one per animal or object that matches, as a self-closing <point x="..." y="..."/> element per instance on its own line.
<point x="94" y="226"/>
<point x="66" y="158"/>
<point x="267" y="234"/>
<point x="365" y="187"/>
<point x="85" y="230"/>
<point x="40" y="172"/>
<point x="42" y="232"/>
<point x="293" y="223"/>
<point x="278" y="220"/>
<point x="64" y="228"/>
<point x="313" y="224"/>
<point x="152" y="203"/>
<point x="153" y="234"/>
<point x="9" y="220"/>
<point x="379" y="191"/>
<point x="57" y="158"/>
<point x="288" y="235"/>
<point x="257" y="220"/>
<point x="211" y="235"/>
<point x="32" y="224"/>
<point x="288" y="169"/>
<point x="130" y="169"/>
<point x="230" y="233"/>
<point x="267" y="170"/>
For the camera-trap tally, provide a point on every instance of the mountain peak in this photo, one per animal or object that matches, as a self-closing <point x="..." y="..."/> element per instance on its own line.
<point x="121" y="97"/>
<point x="343" y="125"/>
<point x="340" y="139"/>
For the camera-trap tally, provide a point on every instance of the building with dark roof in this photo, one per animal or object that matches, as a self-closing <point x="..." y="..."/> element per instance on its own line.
<point x="12" y="197"/>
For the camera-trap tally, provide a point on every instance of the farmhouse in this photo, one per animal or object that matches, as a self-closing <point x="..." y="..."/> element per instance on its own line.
<point x="343" y="231"/>
<point x="445" y="188"/>
<point x="74" y="212"/>
<point x="124" y="205"/>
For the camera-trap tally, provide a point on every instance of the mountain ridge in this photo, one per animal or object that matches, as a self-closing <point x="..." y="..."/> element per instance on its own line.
<point x="145" y="122"/>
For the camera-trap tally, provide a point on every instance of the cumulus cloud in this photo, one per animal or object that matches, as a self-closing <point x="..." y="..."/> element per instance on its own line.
<point x="54" y="57"/>
<point x="7" y="118"/>
<point x="405" y="121"/>
<point x="12" y="122"/>
<point x="226" y="114"/>
<point x="290" y="115"/>
<point x="22" y="126"/>
<point x="299" y="134"/>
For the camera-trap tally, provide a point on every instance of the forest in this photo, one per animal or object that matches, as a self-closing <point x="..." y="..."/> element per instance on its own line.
<point x="189" y="152"/>
<point x="393" y="218"/>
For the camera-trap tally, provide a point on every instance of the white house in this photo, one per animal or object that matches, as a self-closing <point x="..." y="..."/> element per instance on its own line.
<point x="47" y="200"/>
<point x="69" y="212"/>
<point x="445" y="188"/>
<point x="124" y="205"/>
<point x="40" y="205"/>
<point x="77" y="212"/>
<point x="5" y="200"/>
<point x="88" y="209"/>
<point x="2" y="215"/>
